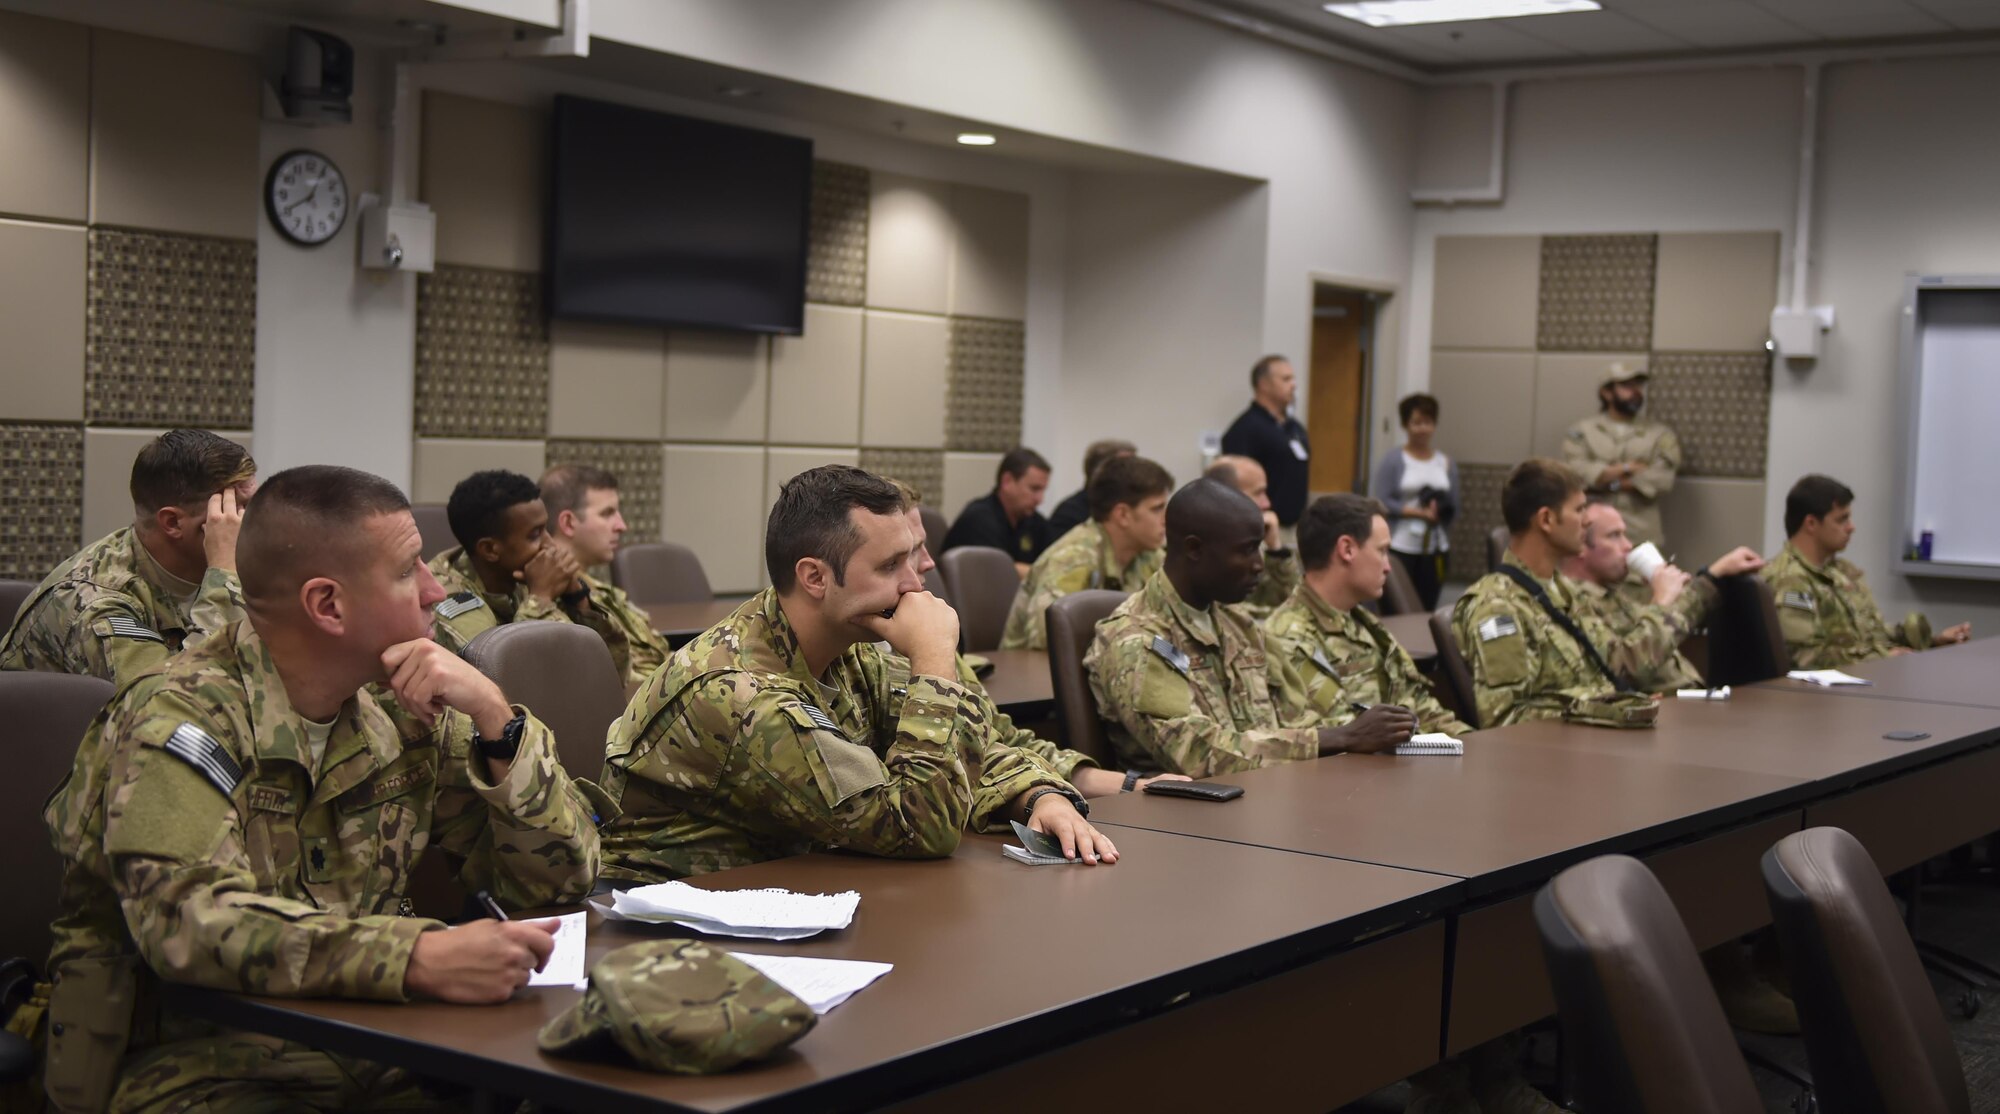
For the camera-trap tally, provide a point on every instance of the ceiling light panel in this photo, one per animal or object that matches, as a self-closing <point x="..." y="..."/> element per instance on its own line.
<point x="1403" y="13"/>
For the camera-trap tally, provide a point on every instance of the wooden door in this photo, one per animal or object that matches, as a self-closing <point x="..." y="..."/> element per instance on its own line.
<point x="1337" y="402"/>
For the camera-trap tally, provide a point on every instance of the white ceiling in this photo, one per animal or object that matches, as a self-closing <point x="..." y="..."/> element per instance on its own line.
<point x="1631" y="29"/>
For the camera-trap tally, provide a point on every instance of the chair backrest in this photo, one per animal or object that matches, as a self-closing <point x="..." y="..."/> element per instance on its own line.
<point x="1873" y="1030"/>
<point x="934" y="584"/>
<point x="982" y="583"/>
<point x="433" y="528"/>
<point x="1496" y="546"/>
<point x="1451" y="667"/>
<point x="563" y="673"/>
<point x="1638" y="1013"/>
<point x="14" y="593"/>
<point x="1399" y="596"/>
<point x="934" y="526"/>
<point x="46" y="715"/>
<point x="660" y="572"/>
<point x="1745" y="642"/>
<point x="1072" y="623"/>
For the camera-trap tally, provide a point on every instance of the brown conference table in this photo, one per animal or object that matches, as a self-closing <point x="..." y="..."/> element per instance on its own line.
<point x="1967" y="674"/>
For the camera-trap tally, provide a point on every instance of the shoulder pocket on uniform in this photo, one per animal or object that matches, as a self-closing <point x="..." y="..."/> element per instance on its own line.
<point x="1500" y="649"/>
<point x="845" y="767"/>
<point x="1164" y="691"/>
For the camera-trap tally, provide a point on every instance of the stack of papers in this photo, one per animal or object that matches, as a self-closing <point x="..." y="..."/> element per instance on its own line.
<point x="1827" y="677"/>
<point x="1432" y="742"/>
<point x="1703" y="694"/>
<point x="1037" y="848"/>
<point x="820" y="983"/>
<point x="774" y="914"/>
<point x="565" y="965"/>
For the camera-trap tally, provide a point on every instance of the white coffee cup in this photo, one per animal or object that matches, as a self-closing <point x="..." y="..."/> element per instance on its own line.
<point x="1646" y="560"/>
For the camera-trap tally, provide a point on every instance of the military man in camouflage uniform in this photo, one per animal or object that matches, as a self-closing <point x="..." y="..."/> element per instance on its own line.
<point x="247" y="817"/>
<point x="505" y="569"/>
<point x="1643" y="633"/>
<point x="784" y="729"/>
<point x="584" y="519"/>
<point x="1344" y="545"/>
<point x="1525" y="664"/>
<point x="1828" y="615"/>
<point x="1190" y="682"/>
<point x="1118" y="548"/>
<point x="1627" y="460"/>
<point x="1281" y="566"/>
<point x="141" y="594"/>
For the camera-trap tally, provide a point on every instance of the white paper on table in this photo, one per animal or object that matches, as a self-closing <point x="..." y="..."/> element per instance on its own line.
<point x="1703" y="694"/>
<point x="820" y="983"/>
<point x="772" y="908"/>
<point x="565" y="964"/>
<point x="1826" y="677"/>
<point x="1431" y="742"/>
<point x="610" y="912"/>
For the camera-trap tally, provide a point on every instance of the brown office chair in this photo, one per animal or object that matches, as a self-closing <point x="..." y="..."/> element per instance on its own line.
<point x="1399" y="596"/>
<point x="563" y="673"/>
<point x="1637" y="1010"/>
<point x="14" y="593"/>
<point x="660" y="572"/>
<point x="46" y="715"/>
<point x="433" y="528"/>
<point x="982" y="583"/>
<point x="1873" y="1030"/>
<point x="1745" y="642"/>
<point x="1496" y="546"/>
<point x="1455" y="676"/>
<point x="934" y="526"/>
<point x="1072" y="622"/>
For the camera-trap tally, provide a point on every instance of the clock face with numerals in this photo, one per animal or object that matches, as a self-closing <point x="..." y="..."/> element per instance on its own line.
<point x="305" y="197"/>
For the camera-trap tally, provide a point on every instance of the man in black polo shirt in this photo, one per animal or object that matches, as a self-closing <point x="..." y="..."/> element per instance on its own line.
<point x="1268" y="435"/>
<point x="1006" y="518"/>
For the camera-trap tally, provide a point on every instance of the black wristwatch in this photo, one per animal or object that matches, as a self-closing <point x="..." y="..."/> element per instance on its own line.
<point x="1075" y="798"/>
<point x="576" y="599"/>
<point x="1131" y="781"/>
<point x="508" y="744"/>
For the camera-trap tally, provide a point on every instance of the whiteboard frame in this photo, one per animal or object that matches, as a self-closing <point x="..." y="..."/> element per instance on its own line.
<point x="1911" y="366"/>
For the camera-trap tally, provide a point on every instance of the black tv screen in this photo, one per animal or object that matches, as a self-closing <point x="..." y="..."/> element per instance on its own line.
<point x="668" y="220"/>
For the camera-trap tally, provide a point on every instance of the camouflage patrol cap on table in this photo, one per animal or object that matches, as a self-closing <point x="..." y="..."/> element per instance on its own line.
<point x="680" y="1006"/>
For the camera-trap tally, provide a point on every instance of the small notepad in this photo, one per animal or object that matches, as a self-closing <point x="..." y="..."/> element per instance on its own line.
<point x="1703" y="694"/>
<point x="1826" y="677"/>
<point x="1434" y="742"/>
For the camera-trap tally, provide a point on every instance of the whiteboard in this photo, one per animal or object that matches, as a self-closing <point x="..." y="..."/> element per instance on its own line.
<point x="1952" y="363"/>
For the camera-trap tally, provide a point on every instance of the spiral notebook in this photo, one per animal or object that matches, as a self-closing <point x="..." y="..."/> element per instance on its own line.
<point x="1435" y="742"/>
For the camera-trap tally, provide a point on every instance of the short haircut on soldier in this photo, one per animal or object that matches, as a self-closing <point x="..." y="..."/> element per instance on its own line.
<point x="1221" y="472"/>
<point x="1814" y="495"/>
<point x="1125" y="479"/>
<point x="566" y="487"/>
<point x="479" y="504"/>
<point x="1330" y="518"/>
<point x="185" y="466"/>
<point x="1535" y="483"/>
<point x="1418" y="403"/>
<point x="810" y="519"/>
<point x="304" y="522"/>
<point x="913" y="496"/>
<point x="1262" y="368"/>
<point x="1101" y="451"/>
<point x="1018" y="463"/>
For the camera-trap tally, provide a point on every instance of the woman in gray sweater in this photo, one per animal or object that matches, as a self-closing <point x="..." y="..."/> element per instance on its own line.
<point x="1419" y="487"/>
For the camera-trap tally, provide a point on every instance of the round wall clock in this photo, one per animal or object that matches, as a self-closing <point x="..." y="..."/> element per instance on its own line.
<point x="305" y="197"/>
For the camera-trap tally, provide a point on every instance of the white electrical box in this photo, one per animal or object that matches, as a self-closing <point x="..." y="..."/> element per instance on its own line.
<point x="399" y="238"/>
<point x="1796" y="332"/>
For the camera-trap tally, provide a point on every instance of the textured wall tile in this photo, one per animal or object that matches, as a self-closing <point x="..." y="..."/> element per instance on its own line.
<point x="837" y="252"/>
<point x="44" y="117"/>
<point x="989" y="262"/>
<point x="438" y="464"/>
<point x="1486" y="404"/>
<point x="1715" y="291"/>
<point x="606" y="381"/>
<point x="715" y="506"/>
<point x="1720" y="405"/>
<point x="922" y="469"/>
<point x="172" y="328"/>
<point x="43" y="290"/>
<point x="638" y="466"/>
<point x="717" y="386"/>
<point x="484" y="168"/>
<point x="1478" y="514"/>
<point x="1597" y="293"/>
<point x="482" y="354"/>
<point x="910" y="235"/>
<point x="816" y="380"/>
<point x="43" y="524"/>
<point x="967" y="476"/>
<point x="983" y="385"/>
<point x="1485" y="291"/>
<point x="1566" y="386"/>
<point x="903" y="362"/>
<point x="173" y="137"/>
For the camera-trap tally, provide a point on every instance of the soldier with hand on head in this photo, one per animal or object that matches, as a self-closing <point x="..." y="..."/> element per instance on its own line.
<point x="1281" y="566"/>
<point x="142" y="593"/>
<point x="785" y="729"/>
<point x="1190" y="682"/>
<point x="504" y="568"/>
<point x="1530" y="656"/>
<point x="1117" y="549"/>
<point x="1644" y="622"/>
<point x="585" y="520"/>
<point x="1344" y="544"/>
<point x="247" y="817"/>
<point x="1828" y="615"/>
<point x="1624" y="458"/>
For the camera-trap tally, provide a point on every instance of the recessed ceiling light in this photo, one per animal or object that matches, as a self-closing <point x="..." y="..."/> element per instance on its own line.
<point x="1402" y="13"/>
<point x="739" y="92"/>
<point x="977" y="139"/>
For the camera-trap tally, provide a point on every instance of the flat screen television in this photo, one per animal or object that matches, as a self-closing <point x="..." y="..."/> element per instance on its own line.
<point x="667" y="220"/>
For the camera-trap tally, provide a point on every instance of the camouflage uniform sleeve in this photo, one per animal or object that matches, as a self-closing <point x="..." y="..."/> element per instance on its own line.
<point x="118" y="643"/>
<point x="1647" y="655"/>
<point x="1027" y="620"/>
<point x="218" y="604"/>
<point x="1877" y="637"/>
<point x="530" y="838"/>
<point x="191" y="898"/>
<point x="1065" y="763"/>
<point x="1281" y="575"/>
<point x="1807" y="635"/>
<point x="1657" y="478"/>
<point x="1154" y="703"/>
<point x="649" y="650"/>
<point x="532" y="606"/>
<point x="1499" y="643"/>
<point x="1413" y="692"/>
<point x="594" y="613"/>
